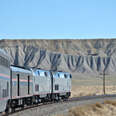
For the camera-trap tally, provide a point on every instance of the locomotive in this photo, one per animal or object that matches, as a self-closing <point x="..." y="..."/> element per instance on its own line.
<point x="20" y="86"/>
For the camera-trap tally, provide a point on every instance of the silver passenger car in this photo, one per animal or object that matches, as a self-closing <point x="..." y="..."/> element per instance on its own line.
<point x="4" y="80"/>
<point x="22" y="82"/>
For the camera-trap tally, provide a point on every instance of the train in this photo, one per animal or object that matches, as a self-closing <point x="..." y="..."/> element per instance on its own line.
<point x="24" y="86"/>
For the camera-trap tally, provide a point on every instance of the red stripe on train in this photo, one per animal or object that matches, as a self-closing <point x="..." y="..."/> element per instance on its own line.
<point x="4" y="75"/>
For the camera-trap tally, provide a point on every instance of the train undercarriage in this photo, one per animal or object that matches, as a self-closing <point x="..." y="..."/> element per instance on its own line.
<point x="23" y="102"/>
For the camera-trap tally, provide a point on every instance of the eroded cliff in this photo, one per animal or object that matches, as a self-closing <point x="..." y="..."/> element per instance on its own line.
<point x="84" y="56"/>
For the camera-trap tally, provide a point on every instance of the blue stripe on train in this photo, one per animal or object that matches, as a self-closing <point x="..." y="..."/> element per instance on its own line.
<point x="14" y="82"/>
<point x="4" y="78"/>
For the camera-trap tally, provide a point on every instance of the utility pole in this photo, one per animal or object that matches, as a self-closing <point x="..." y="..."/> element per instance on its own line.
<point x="104" y="91"/>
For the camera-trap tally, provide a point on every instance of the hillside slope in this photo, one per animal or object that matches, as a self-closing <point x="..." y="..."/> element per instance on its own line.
<point x="78" y="56"/>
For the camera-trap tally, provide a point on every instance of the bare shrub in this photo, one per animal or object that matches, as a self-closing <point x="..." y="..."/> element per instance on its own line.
<point x="99" y="105"/>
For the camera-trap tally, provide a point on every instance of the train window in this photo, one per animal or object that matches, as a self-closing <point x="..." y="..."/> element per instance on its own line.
<point x="42" y="73"/>
<point x="65" y="75"/>
<point x="54" y="75"/>
<point x="70" y="76"/>
<point x="36" y="87"/>
<point x="56" y="87"/>
<point x="46" y="74"/>
<point x="38" y="73"/>
<point x="62" y="75"/>
<point x="58" y="75"/>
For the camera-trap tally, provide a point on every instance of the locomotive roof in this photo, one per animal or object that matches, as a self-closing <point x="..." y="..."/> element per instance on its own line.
<point x="19" y="69"/>
<point x="61" y="72"/>
<point x="27" y="68"/>
<point x="39" y="69"/>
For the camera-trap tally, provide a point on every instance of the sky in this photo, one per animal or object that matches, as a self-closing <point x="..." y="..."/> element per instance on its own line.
<point x="57" y="19"/>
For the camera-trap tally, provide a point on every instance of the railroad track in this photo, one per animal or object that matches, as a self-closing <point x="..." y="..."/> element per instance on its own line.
<point x="39" y="105"/>
<point x="48" y="104"/>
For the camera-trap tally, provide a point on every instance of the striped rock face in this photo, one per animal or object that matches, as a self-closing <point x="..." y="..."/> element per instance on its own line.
<point x="75" y="56"/>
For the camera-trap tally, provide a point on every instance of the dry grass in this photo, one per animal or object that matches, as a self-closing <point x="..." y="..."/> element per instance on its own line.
<point x="89" y="85"/>
<point x="108" y="108"/>
<point x="91" y="90"/>
<point x="89" y="110"/>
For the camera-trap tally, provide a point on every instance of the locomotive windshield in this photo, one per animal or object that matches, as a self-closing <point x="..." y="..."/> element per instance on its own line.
<point x="42" y="73"/>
